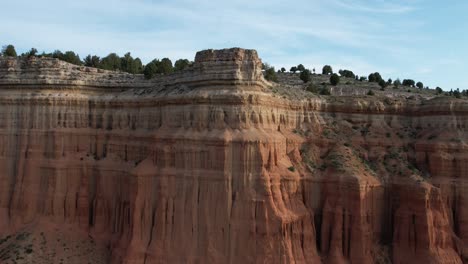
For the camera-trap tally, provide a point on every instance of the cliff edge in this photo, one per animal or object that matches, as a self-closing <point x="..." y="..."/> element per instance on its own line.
<point x="210" y="165"/>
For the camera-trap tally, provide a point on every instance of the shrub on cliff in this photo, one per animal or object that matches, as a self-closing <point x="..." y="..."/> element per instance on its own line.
<point x="131" y="65"/>
<point x="370" y="92"/>
<point x="300" y="67"/>
<point x="313" y="88"/>
<point x="347" y="73"/>
<point x="126" y="62"/>
<point x="165" y="66"/>
<point x="383" y="84"/>
<point x="9" y="51"/>
<point x="270" y="74"/>
<point x="325" y="91"/>
<point x="305" y="75"/>
<point x="156" y="66"/>
<point x="32" y="52"/>
<point x="111" y="62"/>
<point x="327" y="69"/>
<point x="397" y="83"/>
<point x="115" y="63"/>
<point x="151" y="69"/>
<point x="375" y="77"/>
<point x="438" y="90"/>
<point x="283" y="69"/>
<point x="181" y="64"/>
<point x="138" y="65"/>
<point x="72" y="57"/>
<point x="92" y="61"/>
<point x="293" y="69"/>
<point x="316" y="89"/>
<point x="457" y="93"/>
<point x="420" y="85"/>
<point x="408" y="82"/>
<point x="334" y="79"/>
<point x="68" y="56"/>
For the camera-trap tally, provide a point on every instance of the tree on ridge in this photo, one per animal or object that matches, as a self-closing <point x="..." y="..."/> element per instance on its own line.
<point x="9" y="51"/>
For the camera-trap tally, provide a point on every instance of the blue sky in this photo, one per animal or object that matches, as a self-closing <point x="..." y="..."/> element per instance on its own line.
<point x="423" y="40"/>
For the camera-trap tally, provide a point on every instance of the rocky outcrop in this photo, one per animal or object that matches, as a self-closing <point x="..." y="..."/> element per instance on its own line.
<point x="233" y="67"/>
<point x="209" y="165"/>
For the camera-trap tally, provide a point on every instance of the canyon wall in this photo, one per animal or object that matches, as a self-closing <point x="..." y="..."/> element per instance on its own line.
<point x="208" y="165"/>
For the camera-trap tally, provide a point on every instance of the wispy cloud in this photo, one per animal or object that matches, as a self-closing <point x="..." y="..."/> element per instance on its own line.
<point x="373" y="6"/>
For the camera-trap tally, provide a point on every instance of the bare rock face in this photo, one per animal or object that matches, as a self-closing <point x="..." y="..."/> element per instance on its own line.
<point x="422" y="228"/>
<point x="209" y="166"/>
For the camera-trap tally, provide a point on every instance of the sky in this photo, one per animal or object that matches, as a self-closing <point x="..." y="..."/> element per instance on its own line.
<point x="424" y="40"/>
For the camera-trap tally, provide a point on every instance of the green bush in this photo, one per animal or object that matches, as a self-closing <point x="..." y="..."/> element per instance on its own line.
<point x="71" y="57"/>
<point x="382" y="84"/>
<point x="130" y="65"/>
<point x="325" y="91"/>
<point x="375" y="77"/>
<point x="420" y="85"/>
<point x="327" y="69"/>
<point x="9" y="51"/>
<point x="156" y="66"/>
<point x="111" y="62"/>
<point x="397" y="83"/>
<point x="305" y="75"/>
<point x="313" y="88"/>
<point x="334" y="79"/>
<point x="32" y="52"/>
<point x="408" y="82"/>
<point x="92" y="61"/>
<point x="151" y="69"/>
<point x="270" y="74"/>
<point x="165" y="66"/>
<point x="181" y="64"/>
<point x="347" y="73"/>
<point x="370" y="92"/>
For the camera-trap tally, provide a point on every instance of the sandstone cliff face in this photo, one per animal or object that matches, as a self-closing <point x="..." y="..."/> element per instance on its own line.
<point x="209" y="166"/>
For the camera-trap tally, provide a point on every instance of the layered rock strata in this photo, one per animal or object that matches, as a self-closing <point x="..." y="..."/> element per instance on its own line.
<point x="208" y="165"/>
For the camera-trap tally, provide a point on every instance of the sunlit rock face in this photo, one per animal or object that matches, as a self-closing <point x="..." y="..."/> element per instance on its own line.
<point x="208" y="165"/>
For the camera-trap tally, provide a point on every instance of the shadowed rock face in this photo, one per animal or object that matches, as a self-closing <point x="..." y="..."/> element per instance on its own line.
<point x="209" y="166"/>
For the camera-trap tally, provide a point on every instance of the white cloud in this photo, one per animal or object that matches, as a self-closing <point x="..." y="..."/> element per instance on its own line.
<point x="379" y="7"/>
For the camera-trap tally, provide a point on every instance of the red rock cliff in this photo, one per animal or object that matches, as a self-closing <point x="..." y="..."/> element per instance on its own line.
<point x="210" y="166"/>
